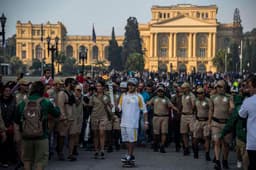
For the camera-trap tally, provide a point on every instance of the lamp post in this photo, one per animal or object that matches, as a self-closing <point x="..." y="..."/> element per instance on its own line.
<point x="241" y="57"/>
<point x="3" y="21"/>
<point x="82" y="56"/>
<point x="226" y="56"/>
<point x="54" y="51"/>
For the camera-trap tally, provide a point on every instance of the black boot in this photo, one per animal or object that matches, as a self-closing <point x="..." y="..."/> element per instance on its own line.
<point x="225" y="164"/>
<point x="177" y="147"/>
<point x="217" y="165"/>
<point x="75" y="152"/>
<point x="207" y="156"/>
<point x="155" y="147"/>
<point x="195" y="150"/>
<point x="186" y="152"/>
<point x="162" y="150"/>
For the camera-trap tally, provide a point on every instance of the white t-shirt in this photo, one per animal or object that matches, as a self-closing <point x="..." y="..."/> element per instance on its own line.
<point x="248" y="109"/>
<point x="131" y="104"/>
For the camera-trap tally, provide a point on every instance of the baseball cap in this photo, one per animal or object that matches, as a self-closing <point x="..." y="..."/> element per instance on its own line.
<point x="133" y="81"/>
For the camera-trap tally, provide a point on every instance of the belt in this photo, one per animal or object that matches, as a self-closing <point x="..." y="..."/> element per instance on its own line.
<point x="202" y="118"/>
<point x="161" y="115"/>
<point x="187" y="113"/>
<point x="219" y="120"/>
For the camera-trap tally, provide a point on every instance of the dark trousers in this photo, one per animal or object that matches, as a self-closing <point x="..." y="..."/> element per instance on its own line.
<point x="252" y="159"/>
<point x="8" y="152"/>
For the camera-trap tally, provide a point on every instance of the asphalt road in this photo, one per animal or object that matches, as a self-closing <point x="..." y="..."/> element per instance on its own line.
<point x="146" y="159"/>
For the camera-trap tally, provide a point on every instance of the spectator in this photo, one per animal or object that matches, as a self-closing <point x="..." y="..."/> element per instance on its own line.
<point x="36" y="149"/>
<point x="248" y="110"/>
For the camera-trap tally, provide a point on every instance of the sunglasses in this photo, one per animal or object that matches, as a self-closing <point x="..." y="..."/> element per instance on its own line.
<point x="200" y="93"/>
<point x="78" y="90"/>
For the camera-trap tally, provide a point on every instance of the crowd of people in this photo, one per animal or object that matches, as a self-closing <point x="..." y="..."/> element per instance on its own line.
<point x="124" y="109"/>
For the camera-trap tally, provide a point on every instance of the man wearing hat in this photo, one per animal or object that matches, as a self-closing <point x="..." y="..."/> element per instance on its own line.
<point x="188" y="105"/>
<point x="223" y="106"/>
<point x="161" y="105"/>
<point x="204" y="108"/>
<point x="130" y="104"/>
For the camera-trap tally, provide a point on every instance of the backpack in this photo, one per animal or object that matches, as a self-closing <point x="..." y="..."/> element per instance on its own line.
<point x="71" y="98"/>
<point x="32" y="126"/>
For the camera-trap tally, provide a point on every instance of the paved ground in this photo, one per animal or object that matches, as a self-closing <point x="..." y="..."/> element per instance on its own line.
<point x="146" y="159"/>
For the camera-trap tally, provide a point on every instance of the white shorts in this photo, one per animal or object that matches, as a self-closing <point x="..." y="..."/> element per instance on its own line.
<point x="129" y="134"/>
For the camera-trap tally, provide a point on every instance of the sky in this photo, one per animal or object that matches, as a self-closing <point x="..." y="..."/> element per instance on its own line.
<point x="79" y="15"/>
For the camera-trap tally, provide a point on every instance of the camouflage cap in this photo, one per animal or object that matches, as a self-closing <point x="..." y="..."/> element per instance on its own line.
<point x="185" y="85"/>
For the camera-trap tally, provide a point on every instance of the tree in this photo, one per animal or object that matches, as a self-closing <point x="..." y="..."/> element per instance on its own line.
<point x="114" y="52"/>
<point x="135" y="62"/>
<point x="16" y="65"/>
<point x="68" y="67"/>
<point x="60" y="59"/>
<point x="219" y="60"/>
<point x="247" y="55"/>
<point x="234" y="51"/>
<point x="36" y="66"/>
<point x="132" y="40"/>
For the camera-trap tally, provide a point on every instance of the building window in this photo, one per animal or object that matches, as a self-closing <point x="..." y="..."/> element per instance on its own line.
<point x="168" y="15"/>
<point x="38" y="32"/>
<point x="198" y="15"/>
<point x="163" y="52"/>
<point x="206" y="15"/>
<point x="182" y="45"/>
<point x="201" y="45"/>
<point x="38" y="52"/>
<point x="160" y="15"/>
<point x="52" y="32"/>
<point x="23" y="54"/>
<point x="163" y="44"/>
<point x="33" y="32"/>
<point x="202" y="52"/>
<point x="182" y="52"/>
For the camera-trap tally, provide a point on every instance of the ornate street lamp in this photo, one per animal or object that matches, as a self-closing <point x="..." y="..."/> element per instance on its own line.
<point x="82" y="57"/>
<point x="3" y="21"/>
<point x="54" y="51"/>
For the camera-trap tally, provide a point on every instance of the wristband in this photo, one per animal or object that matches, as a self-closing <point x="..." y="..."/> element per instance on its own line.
<point x="146" y="122"/>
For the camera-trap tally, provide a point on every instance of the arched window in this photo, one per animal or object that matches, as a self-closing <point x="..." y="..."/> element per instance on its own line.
<point x="201" y="68"/>
<point x="38" y="52"/>
<point x="69" y="51"/>
<point x="182" y="68"/>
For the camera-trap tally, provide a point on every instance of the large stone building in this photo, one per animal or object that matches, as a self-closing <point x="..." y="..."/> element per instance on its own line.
<point x="180" y="38"/>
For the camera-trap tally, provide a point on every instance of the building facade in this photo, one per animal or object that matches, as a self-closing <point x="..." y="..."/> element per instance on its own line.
<point x="179" y="38"/>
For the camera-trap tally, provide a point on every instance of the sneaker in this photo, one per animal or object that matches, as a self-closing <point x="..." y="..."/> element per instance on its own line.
<point x="128" y="158"/>
<point x="124" y="158"/>
<point x="71" y="158"/>
<point x="239" y="164"/>
<point x="96" y="154"/>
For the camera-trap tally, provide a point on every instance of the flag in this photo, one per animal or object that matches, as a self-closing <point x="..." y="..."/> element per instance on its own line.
<point x="42" y="32"/>
<point x="93" y="34"/>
